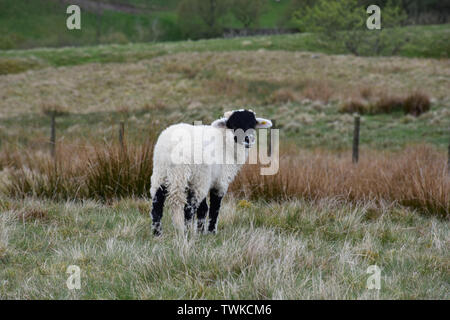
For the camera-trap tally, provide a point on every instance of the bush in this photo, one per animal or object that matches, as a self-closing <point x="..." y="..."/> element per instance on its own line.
<point x="416" y="104"/>
<point x="388" y="104"/>
<point x="343" y="23"/>
<point x="201" y="18"/>
<point x="354" y="106"/>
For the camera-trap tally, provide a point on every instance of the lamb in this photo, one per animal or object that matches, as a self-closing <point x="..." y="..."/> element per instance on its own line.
<point x="184" y="175"/>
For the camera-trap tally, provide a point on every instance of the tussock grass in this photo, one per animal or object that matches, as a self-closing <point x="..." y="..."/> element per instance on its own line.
<point x="117" y="172"/>
<point x="415" y="103"/>
<point x="99" y="172"/>
<point x="416" y="177"/>
<point x="292" y="250"/>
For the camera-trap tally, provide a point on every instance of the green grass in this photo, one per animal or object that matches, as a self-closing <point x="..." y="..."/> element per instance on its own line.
<point x="330" y="130"/>
<point x="426" y="41"/>
<point x="294" y="250"/>
<point x="41" y="23"/>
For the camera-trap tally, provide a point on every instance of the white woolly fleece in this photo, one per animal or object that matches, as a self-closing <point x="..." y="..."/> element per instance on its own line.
<point x="199" y="178"/>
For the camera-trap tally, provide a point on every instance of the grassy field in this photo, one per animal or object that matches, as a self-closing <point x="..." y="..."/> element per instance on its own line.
<point x="311" y="231"/>
<point x="292" y="250"/>
<point x="302" y="91"/>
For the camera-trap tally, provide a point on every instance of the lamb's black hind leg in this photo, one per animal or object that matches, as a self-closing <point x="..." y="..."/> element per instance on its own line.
<point x="215" y="201"/>
<point x="157" y="209"/>
<point x="201" y="216"/>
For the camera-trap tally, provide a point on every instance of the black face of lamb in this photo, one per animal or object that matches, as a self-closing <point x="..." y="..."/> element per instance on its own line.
<point x="215" y="200"/>
<point x="157" y="209"/>
<point x="241" y="120"/>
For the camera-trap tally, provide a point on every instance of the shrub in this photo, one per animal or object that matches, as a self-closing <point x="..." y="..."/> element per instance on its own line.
<point x="354" y="106"/>
<point x="201" y="18"/>
<point x="342" y="23"/>
<point x="416" y="103"/>
<point x="248" y="11"/>
<point x="387" y="104"/>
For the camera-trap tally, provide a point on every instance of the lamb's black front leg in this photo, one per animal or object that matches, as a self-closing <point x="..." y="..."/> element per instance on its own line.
<point x="157" y="209"/>
<point x="190" y="208"/>
<point x="202" y="211"/>
<point x="215" y="200"/>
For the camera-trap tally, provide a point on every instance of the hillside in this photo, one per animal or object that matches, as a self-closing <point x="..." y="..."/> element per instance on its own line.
<point x="41" y="23"/>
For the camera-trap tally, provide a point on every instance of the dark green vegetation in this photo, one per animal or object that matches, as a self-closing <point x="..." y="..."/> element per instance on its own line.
<point x="41" y="23"/>
<point x="425" y="41"/>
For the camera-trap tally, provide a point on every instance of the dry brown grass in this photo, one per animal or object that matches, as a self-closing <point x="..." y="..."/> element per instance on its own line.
<point x="354" y="105"/>
<point x="318" y="90"/>
<point x="227" y="86"/>
<point x="414" y="103"/>
<point x="180" y="78"/>
<point x="416" y="177"/>
<point x="33" y="214"/>
<point x="417" y="103"/>
<point x="282" y="96"/>
<point x="101" y="172"/>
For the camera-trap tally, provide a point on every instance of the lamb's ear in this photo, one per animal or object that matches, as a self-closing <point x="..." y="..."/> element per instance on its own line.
<point x="228" y="114"/>
<point x="220" y="123"/>
<point x="262" y="123"/>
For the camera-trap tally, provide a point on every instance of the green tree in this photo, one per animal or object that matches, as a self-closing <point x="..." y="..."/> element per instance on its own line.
<point x="343" y="24"/>
<point x="202" y="18"/>
<point x="248" y="11"/>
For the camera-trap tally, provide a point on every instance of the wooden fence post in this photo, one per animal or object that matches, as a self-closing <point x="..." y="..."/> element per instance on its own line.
<point x="356" y="139"/>
<point x="53" y="134"/>
<point x="122" y="134"/>
<point x="270" y="141"/>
